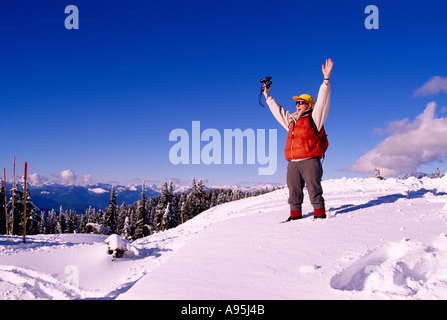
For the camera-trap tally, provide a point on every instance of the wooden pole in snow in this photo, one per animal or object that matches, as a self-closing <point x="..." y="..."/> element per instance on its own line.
<point x="6" y="206"/>
<point x="13" y="194"/>
<point x="24" y="203"/>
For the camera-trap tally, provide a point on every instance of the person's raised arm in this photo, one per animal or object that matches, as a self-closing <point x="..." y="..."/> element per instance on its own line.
<point x="322" y="105"/>
<point x="327" y="69"/>
<point x="278" y="112"/>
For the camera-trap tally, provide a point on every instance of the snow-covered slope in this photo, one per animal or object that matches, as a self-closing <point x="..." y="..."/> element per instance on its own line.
<point x="382" y="240"/>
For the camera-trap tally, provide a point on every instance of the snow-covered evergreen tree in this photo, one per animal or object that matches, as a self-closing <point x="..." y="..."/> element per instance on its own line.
<point x="13" y="210"/>
<point x="220" y="198"/>
<point x="168" y="221"/>
<point x="122" y="215"/>
<point x="33" y="214"/>
<point x="182" y="202"/>
<point x="71" y="223"/>
<point x="53" y="222"/>
<point x="142" y="228"/>
<point x="61" y="222"/>
<point x="43" y="223"/>
<point x="192" y="203"/>
<point x="111" y="214"/>
<point x="378" y="175"/>
<point x="126" y="232"/>
<point x="82" y="224"/>
<point x="201" y="197"/>
<point x="164" y="202"/>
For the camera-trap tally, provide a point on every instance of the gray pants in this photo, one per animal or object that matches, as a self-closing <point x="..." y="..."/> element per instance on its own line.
<point x="305" y="173"/>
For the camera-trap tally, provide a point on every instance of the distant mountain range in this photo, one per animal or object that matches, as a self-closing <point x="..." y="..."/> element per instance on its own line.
<point x="80" y="198"/>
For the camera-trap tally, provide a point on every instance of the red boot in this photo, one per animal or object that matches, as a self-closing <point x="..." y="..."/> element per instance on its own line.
<point x="320" y="213"/>
<point x="295" y="215"/>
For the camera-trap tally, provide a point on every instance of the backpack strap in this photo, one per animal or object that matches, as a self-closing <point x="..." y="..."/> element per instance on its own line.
<point x="313" y="125"/>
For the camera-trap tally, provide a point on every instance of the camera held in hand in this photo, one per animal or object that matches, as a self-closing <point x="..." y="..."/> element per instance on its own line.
<point x="266" y="82"/>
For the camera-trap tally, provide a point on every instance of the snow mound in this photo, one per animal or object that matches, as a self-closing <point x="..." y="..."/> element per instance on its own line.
<point x="119" y="247"/>
<point x="399" y="270"/>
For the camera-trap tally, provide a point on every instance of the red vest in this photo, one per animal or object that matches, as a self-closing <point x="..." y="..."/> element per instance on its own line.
<point x="302" y="140"/>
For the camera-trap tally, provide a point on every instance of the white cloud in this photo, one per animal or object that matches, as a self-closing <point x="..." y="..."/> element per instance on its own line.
<point x="67" y="177"/>
<point x="87" y="178"/>
<point x="35" y="179"/>
<point x="409" y="145"/>
<point x="433" y="86"/>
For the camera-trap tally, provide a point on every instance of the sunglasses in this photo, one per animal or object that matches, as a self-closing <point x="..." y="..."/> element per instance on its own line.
<point x="301" y="102"/>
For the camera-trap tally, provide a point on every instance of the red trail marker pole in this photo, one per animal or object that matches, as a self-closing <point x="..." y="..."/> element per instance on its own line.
<point x="24" y="203"/>
<point x="13" y="195"/>
<point x="6" y="207"/>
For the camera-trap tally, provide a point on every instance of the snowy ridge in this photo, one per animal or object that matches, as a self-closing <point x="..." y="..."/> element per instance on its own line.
<point x="382" y="240"/>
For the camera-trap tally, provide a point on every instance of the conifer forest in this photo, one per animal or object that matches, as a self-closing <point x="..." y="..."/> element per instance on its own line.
<point x="131" y="221"/>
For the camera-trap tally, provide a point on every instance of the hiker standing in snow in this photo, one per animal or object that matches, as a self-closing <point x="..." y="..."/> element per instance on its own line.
<point x="304" y="148"/>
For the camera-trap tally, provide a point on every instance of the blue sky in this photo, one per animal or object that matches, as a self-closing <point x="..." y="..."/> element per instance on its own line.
<point x="102" y="100"/>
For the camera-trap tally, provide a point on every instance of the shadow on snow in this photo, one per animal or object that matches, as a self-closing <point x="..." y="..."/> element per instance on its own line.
<point x="385" y="199"/>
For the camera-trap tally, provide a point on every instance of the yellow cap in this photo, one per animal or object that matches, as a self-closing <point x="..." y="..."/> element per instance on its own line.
<point x="305" y="97"/>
